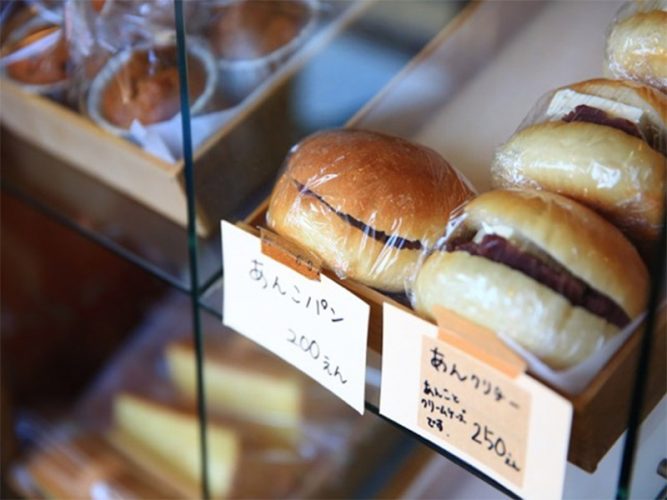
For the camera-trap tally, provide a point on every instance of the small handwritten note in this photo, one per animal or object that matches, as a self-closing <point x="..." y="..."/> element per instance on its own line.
<point x="509" y="426"/>
<point x="474" y="407"/>
<point x="315" y="324"/>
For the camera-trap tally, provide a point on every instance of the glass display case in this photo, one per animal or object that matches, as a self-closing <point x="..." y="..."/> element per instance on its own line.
<point x="166" y="117"/>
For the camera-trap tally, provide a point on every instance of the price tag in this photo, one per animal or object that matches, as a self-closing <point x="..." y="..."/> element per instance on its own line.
<point x="472" y="406"/>
<point x="511" y="428"/>
<point x="307" y="319"/>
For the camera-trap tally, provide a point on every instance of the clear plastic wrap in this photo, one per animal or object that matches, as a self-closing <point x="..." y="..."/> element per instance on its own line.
<point x="135" y="432"/>
<point x="141" y="84"/>
<point x="540" y="270"/>
<point x="251" y="39"/>
<point x="368" y="204"/>
<point x="35" y="53"/>
<point x="637" y="43"/>
<point x="127" y="55"/>
<point x="601" y="142"/>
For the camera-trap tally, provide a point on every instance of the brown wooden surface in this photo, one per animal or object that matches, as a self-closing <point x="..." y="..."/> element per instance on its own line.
<point x="601" y="412"/>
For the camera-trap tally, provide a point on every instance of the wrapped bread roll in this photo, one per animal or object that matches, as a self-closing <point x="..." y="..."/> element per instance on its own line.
<point x="600" y="142"/>
<point x="637" y="43"/>
<point x="368" y="204"/>
<point x="542" y="269"/>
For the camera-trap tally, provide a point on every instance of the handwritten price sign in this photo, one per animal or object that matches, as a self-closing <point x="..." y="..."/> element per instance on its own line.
<point x="509" y="426"/>
<point x="474" y="407"/>
<point x="305" y="318"/>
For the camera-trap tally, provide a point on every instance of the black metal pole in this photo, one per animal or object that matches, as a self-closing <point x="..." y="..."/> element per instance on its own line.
<point x="192" y="240"/>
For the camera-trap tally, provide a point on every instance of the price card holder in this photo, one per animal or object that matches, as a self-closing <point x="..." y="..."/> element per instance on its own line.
<point x="276" y="296"/>
<point x="475" y="401"/>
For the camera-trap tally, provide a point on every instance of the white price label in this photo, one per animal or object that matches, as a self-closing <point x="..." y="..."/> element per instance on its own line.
<point x="315" y="324"/>
<point x="515" y="430"/>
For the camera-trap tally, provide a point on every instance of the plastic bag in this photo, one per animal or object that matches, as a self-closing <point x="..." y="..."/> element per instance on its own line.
<point x="251" y="39"/>
<point x="600" y="142"/>
<point x="539" y="269"/>
<point x="637" y="43"/>
<point x="368" y="204"/>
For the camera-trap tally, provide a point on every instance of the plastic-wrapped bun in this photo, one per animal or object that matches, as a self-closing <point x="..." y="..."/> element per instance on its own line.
<point x="370" y="205"/>
<point x="539" y="268"/>
<point x="637" y="43"/>
<point x="600" y="142"/>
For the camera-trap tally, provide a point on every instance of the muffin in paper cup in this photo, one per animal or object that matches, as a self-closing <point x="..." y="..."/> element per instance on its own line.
<point x="36" y="57"/>
<point x="142" y="84"/>
<point x="251" y="38"/>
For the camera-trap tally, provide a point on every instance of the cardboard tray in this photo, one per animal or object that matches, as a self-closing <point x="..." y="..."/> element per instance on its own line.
<point x="464" y="95"/>
<point x="220" y="184"/>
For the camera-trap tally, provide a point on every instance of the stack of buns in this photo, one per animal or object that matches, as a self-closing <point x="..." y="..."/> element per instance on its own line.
<point x="548" y="258"/>
<point x="545" y="259"/>
<point x="545" y="269"/>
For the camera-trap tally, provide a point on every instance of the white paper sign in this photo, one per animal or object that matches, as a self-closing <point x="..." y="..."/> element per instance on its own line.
<point x="316" y="325"/>
<point x="516" y="431"/>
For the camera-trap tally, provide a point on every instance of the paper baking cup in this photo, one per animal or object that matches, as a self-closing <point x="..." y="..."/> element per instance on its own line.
<point x="113" y="66"/>
<point x="240" y="77"/>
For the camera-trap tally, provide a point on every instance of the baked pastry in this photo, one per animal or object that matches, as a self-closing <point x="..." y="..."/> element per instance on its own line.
<point x="637" y="45"/>
<point x="245" y="383"/>
<point x="146" y="87"/>
<point x="44" y="67"/>
<point x="249" y="29"/>
<point x="165" y="442"/>
<point x="540" y="268"/>
<point x="603" y="144"/>
<point x="368" y="204"/>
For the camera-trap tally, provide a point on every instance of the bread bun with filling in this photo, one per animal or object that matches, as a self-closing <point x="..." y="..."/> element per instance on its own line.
<point x="540" y="268"/>
<point x="367" y="203"/>
<point x="637" y="44"/>
<point x="602" y="143"/>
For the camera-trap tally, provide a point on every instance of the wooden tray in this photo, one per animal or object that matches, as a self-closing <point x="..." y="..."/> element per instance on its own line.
<point x="465" y="94"/>
<point x="220" y="184"/>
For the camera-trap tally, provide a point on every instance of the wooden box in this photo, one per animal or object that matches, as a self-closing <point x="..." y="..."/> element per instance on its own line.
<point x="228" y="166"/>
<point x="488" y="57"/>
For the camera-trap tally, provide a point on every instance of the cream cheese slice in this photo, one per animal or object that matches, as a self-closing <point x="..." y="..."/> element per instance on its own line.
<point x="566" y="100"/>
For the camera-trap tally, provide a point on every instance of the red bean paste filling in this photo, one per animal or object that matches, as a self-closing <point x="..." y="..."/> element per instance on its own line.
<point x="578" y="293"/>
<point x="583" y="113"/>
<point x="387" y="239"/>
